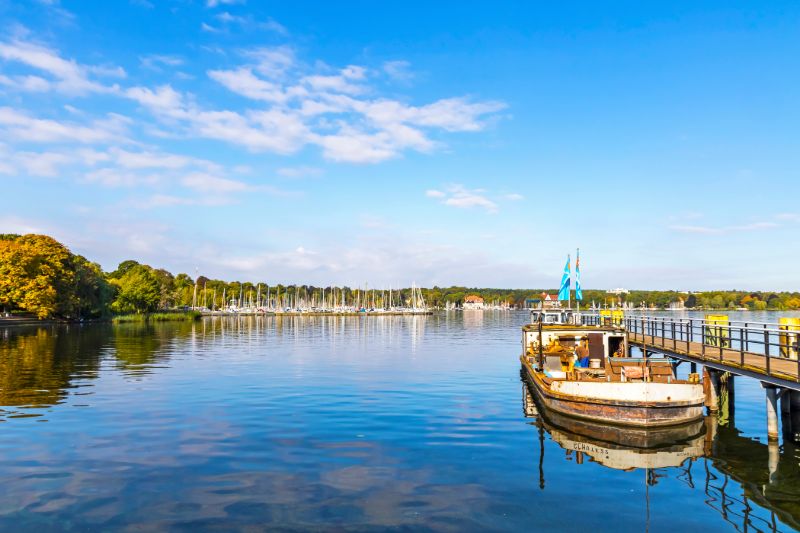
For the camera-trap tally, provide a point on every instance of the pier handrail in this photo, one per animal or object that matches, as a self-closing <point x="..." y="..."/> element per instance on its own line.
<point x="717" y="340"/>
<point x="775" y="326"/>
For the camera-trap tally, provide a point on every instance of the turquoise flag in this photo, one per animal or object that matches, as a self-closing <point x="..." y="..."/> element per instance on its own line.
<point x="578" y="291"/>
<point x="563" y="293"/>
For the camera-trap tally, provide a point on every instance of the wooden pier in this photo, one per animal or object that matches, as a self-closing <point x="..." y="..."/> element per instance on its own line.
<point x="764" y="351"/>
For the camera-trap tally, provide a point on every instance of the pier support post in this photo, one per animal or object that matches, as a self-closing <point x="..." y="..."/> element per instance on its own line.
<point x="711" y="382"/>
<point x="726" y="399"/>
<point x="772" y="411"/>
<point x="693" y="368"/>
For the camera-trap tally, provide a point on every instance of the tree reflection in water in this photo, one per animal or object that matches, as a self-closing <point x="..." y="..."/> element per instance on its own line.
<point x="40" y="366"/>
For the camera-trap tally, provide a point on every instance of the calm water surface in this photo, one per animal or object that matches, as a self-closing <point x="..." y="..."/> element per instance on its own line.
<point x="365" y="423"/>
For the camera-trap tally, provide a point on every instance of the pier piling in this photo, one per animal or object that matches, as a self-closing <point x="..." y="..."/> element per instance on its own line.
<point x="772" y="411"/>
<point x="711" y="383"/>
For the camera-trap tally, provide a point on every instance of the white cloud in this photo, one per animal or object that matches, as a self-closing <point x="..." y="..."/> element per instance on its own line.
<point x="70" y="77"/>
<point x="167" y="200"/>
<point x="250" y="23"/>
<point x="212" y="184"/>
<point x="47" y="164"/>
<point x="464" y="198"/>
<point x="215" y="3"/>
<point x="115" y="177"/>
<point x="33" y="84"/>
<point x="716" y="230"/>
<point x="347" y="81"/>
<point x="695" y="229"/>
<point x="243" y="81"/>
<point x="302" y="105"/>
<point x="318" y="108"/>
<point x="353" y="146"/>
<point x="163" y="99"/>
<point x="271" y="62"/>
<point x="514" y="197"/>
<point x="384" y="258"/>
<point x="149" y="159"/>
<point x="23" y="127"/>
<point x="299" y="172"/>
<point x="457" y="195"/>
<point x="160" y="61"/>
<point x="398" y="70"/>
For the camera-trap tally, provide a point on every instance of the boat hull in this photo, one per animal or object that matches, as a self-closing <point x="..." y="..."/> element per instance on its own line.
<point x="622" y="410"/>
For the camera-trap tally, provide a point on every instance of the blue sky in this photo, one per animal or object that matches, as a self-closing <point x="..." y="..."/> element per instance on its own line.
<point x="454" y="143"/>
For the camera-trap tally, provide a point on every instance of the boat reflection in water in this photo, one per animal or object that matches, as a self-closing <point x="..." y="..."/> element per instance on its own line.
<point x="621" y="448"/>
<point x="752" y="485"/>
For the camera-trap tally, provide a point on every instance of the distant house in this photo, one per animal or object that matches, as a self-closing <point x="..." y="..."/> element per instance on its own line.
<point x="532" y="303"/>
<point x="473" y="301"/>
<point x="549" y="301"/>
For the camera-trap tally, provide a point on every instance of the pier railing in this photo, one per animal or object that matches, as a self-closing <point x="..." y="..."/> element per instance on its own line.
<point x="769" y="347"/>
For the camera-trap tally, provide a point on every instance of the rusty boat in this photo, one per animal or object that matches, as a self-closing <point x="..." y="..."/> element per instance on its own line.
<point x="587" y="371"/>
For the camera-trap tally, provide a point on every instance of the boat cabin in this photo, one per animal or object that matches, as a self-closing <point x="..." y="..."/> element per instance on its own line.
<point x="554" y="316"/>
<point x="560" y="340"/>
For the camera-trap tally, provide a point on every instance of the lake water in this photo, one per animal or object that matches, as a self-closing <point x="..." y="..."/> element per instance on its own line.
<point x="357" y="423"/>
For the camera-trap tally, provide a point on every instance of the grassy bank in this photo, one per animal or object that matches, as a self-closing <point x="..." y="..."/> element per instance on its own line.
<point x="177" y="316"/>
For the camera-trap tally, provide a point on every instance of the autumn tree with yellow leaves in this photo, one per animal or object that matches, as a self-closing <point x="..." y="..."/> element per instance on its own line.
<point x="41" y="276"/>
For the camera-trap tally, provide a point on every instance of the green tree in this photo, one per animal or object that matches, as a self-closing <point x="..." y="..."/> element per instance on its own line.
<point x="138" y="290"/>
<point x="123" y="268"/>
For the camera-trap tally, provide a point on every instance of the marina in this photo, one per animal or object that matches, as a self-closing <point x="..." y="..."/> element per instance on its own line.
<point x="337" y="302"/>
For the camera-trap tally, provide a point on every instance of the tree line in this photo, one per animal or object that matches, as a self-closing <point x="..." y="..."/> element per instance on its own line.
<point x="40" y="276"/>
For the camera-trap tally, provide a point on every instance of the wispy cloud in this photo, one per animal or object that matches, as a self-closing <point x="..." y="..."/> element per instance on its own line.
<point x="461" y="197"/>
<point x="398" y="70"/>
<point x="21" y="126"/>
<point x="716" y="230"/>
<point x="216" y="3"/>
<point x="248" y="22"/>
<point x="160" y="61"/>
<point x="301" y="103"/>
<point x="299" y="172"/>
<point x="66" y="74"/>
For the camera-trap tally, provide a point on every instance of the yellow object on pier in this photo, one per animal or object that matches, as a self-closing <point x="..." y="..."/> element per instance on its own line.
<point x="717" y="331"/>
<point x="612" y="317"/>
<point x="789" y="340"/>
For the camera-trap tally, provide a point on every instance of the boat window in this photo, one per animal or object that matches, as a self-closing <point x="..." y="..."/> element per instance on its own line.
<point x="616" y="346"/>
